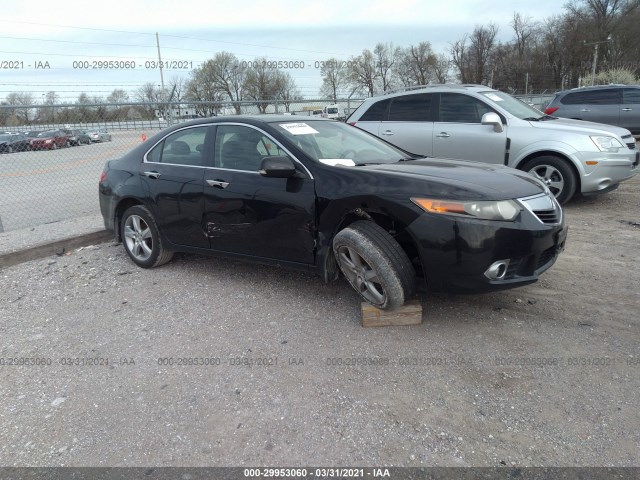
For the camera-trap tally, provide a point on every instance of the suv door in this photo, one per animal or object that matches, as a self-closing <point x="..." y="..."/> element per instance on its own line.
<point x="409" y="123"/>
<point x="630" y="110"/>
<point x="601" y="105"/>
<point x="459" y="133"/>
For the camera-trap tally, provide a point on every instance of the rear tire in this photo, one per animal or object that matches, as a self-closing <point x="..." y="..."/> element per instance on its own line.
<point x="556" y="173"/>
<point x="374" y="264"/>
<point x="141" y="238"/>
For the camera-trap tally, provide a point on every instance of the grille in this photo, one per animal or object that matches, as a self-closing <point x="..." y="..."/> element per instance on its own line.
<point x="547" y="216"/>
<point x="544" y="208"/>
<point x="546" y="257"/>
<point x="630" y="142"/>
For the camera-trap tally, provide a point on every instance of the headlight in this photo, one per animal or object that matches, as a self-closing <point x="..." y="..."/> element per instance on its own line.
<point x="499" y="210"/>
<point x="607" y="144"/>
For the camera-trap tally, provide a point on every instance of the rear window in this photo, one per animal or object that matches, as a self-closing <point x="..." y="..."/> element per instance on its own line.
<point x="411" y="108"/>
<point x="592" y="97"/>
<point x="631" y="95"/>
<point x="376" y="113"/>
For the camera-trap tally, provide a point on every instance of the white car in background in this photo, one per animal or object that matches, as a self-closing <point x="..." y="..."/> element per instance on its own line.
<point x="99" y="135"/>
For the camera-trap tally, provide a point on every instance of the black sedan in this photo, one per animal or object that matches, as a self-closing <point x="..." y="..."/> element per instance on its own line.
<point x="10" y="143"/>
<point x="321" y="196"/>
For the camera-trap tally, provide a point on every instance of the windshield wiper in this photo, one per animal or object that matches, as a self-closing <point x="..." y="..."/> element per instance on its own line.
<point x="531" y="119"/>
<point x="548" y="117"/>
<point x="409" y="159"/>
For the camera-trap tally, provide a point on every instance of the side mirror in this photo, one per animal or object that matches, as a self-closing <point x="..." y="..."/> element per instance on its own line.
<point x="277" y="167"/>
<point x="492" y="118"/>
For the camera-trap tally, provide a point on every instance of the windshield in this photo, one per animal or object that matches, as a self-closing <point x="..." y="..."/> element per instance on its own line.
<point x="335" y="143"/>
<point x="512" y="105"/>
<point x="5" y="138"/>
<point x="48" y="134"/>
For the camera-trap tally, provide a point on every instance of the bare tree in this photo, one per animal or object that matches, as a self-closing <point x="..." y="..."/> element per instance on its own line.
<point x="384" y="58"/>
<point x="286" y="89"/>
<point x="261" y="83"/>
<point x="441" y="68"/>
<point x="363" y="72"/>
<point x="23" y="103"/>
<point x="335" y="77"/>
<point x="416" y="64"/>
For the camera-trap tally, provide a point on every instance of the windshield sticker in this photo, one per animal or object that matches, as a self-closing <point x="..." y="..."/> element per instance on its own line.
<point x="298" y="128"/>
<point x="493" y="96"/>
<point x="347" y="162"/>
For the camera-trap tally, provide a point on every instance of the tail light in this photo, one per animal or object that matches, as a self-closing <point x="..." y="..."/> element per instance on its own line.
<point x="353" y="124"/>
<point x="550" y="110"/>
<point x="103" y="177"/>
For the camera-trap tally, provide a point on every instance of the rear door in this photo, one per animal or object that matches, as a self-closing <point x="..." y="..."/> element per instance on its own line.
<point x="630" y="110"/>
<point x="459" y="133"/>
<point x="409" y="123"/>
<point x="172" y="175"/>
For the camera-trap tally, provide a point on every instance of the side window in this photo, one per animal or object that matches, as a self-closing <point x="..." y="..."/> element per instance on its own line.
<point x="458" y="108"/>
<point x="593" y="97"/>
<point x="185" y="147"/>
<point x="376" y="113"/>
<point x="243" y="148"/>
<point x="411" y="108"/>
<point x="631" y="95"/>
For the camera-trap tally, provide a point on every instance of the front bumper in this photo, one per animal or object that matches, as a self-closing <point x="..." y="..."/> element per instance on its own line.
<point x="456" y="252"/>
<point x="611" y="169"/>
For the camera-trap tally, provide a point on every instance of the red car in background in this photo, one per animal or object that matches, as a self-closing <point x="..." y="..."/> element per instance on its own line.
<point x="50" y="139"/>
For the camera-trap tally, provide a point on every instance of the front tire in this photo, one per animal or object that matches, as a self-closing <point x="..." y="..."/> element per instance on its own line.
<point x="141" y="238"/>
<point x="374" y="264"/>
<point x="556" y="173"/>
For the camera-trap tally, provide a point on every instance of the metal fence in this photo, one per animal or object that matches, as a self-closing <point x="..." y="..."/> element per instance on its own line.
<point x="45" y="182"/>
<point x="54" y="181"/>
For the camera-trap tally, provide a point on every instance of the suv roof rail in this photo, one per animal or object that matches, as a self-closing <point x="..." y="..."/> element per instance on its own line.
<point x="431" y="85"/>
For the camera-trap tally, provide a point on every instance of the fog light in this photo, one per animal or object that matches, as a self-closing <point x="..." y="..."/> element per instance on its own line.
<point x="497" y="270"/>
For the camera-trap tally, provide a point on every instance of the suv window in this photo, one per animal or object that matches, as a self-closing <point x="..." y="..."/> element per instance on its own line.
<point x="631" y="95"/>
<point x="377" y="112"/>
<point x="593" y="97"/>
<point x="184" y="147"/>
<point x="411" y="108"/>
<point x="458" y="108"/>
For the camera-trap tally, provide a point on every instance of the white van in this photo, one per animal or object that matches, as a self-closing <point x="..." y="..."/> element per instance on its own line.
<point x="331" y="111"/>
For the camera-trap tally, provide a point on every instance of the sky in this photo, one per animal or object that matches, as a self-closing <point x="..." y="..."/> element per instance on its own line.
<point x="41" y="53"/>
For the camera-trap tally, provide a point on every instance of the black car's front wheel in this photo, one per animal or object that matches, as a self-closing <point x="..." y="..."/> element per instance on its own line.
<point x="374" y="264"/>
<point x="141" y="238"/>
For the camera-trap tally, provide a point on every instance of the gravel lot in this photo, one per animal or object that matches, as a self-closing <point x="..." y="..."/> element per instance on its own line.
<point x="545" y="375"/>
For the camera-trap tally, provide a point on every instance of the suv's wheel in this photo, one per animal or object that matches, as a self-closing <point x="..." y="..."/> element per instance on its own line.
<point x="141" y="238"/>
<point x="374" y="264"/>
<point x="556" y="173"/>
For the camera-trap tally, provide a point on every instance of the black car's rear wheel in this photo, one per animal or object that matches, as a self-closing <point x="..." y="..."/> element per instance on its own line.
<point x="141" y="238"/>
<point x="374" y="264"/>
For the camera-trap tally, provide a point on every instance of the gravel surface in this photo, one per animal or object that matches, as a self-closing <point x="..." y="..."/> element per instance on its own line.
<point x="282" y="373"/>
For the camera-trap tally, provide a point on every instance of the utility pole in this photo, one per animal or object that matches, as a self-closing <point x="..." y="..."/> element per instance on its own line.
<point x="595" y="57"/>
<point x="160" y="62"/>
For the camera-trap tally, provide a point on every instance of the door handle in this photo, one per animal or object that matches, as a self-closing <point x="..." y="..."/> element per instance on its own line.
<point x="387" y="132"/>
<point x="627" y="109"/>
<point x="585" y="110"/>
<point x="152" y="174"/>
<point x="217" y="183"/>
<point x="443" y="135"/>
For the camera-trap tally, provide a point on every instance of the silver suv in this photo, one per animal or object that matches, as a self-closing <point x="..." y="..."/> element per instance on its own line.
<point x="474" y="122"/>
<point x="611" y="104"/>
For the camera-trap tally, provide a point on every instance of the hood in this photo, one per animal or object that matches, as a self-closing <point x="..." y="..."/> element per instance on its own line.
<point x="464" y="179"/>
<point x="580" y="126"/>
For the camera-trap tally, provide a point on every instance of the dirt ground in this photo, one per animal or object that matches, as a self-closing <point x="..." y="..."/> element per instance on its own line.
<point x="282" y="373"/>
